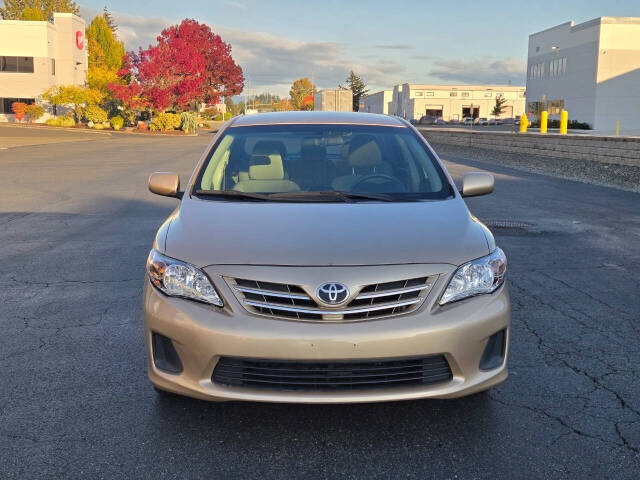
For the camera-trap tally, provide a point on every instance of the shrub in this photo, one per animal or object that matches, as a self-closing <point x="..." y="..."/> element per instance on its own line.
<point x="129" y="117"/>
<point x="98" y="126"/>
<point x="167" y="121"/>
<point x="63" y="121"/>
<point x="209" y="113"/>
<point x="189" y="122"/>
<point x="18" y="108"/>
<point x="153" y="127"/>
<point x="34" y="111"/>
<point x="116" y="122"/>
<point x="142" y="126"/>
<point x="95" y="114"/>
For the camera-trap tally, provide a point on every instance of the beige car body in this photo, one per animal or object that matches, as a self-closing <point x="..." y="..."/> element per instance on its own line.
<point x="307" y="245"/>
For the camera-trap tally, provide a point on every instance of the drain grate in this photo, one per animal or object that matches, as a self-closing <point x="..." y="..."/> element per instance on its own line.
<point x="514" y="224"/>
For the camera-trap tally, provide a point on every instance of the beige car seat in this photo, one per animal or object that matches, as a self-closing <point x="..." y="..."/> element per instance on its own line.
<point x="266" y="175"/>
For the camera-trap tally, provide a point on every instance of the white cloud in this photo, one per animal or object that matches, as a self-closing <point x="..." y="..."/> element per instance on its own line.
<point x="486" y="70"/>
<point x="271" y="63"/>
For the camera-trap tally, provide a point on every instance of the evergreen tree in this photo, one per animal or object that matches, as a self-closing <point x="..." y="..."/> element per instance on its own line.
<point x="110" y="21"/>
<point x="357" y="87"/>
<point x="499" y="107"/>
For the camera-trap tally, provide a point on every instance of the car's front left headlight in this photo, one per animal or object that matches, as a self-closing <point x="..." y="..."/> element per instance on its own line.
<point x="180" y="279"/>
<point x="483" y="275"/>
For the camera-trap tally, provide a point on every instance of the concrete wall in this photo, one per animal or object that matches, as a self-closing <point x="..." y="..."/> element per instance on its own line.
<point x="610" y="150"/>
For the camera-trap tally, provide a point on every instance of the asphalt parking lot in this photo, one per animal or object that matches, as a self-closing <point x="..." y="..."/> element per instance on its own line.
<point x="76" y="224"/>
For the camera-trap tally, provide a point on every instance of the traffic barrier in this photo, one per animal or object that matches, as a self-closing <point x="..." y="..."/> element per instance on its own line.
<point x="544" y="118"/>
<point x="564" y="122"/>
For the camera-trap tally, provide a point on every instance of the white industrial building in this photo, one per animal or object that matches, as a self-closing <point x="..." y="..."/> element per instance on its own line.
<point x="37" y="55"/>
<point x="450" y="102"/>
<point x="378" y="102"/>
<point x="592" y="70"/>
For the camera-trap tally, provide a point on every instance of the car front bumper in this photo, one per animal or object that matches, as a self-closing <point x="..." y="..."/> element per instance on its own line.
<point x="202" y="334"/>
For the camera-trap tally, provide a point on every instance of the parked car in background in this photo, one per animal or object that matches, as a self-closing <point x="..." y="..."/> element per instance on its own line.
<point x="324" y="257"/>
<point x="494" y="121"/>
<point x="483" y="121"/>
<point x="427" y="120"/>
<point x="507" y="121"/>
<point x="439" y="121"/>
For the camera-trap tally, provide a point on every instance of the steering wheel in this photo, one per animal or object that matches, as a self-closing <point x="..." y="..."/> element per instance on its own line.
<point x="388" y="178"/>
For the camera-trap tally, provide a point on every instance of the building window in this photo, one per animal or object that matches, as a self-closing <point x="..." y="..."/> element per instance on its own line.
<point x="464" y="94"/>
<point x="16" y="64"/>
<point x="429" y="94"/>
<point x="555" y="107"/>
<point x="536" y="71"/>
<point x="453" y="94"/>
<point x="5" y="103"/>
<point x="418" y="93"/>
<point x="53" y="66"/>
<point x="488" y="94"/>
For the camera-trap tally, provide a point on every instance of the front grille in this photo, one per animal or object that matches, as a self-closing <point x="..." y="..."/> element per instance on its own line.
<point x="329" y="375"/>
<point x="292" y="301"/>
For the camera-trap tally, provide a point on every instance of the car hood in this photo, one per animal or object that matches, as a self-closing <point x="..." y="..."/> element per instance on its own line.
<point x="208" y="232"/>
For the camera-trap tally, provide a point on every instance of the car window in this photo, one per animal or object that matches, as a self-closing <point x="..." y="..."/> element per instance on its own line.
<point x="275" y="159"/>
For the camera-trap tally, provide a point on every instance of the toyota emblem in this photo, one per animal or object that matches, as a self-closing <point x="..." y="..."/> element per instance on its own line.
<point x="332" y="293"/>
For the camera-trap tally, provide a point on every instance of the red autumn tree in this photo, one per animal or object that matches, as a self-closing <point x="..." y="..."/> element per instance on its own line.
<point x="189" y="64"/>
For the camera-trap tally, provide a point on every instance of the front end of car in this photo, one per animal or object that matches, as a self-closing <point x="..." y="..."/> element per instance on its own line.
<point x="326" y="334"/>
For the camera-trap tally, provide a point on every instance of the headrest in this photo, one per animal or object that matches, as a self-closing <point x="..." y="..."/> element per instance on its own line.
<point x="364" y="152"/>
<point x="313" y="153"/>
<point x="262" y="167"/>
<point x="269" y="147"/>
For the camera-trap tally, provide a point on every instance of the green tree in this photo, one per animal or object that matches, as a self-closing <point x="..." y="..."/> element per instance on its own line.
<point x="299" y="90"/>
<point x="36" y="9"/>
<point x="499" y="107"/>
<point x="105" y="54"/>
<point x="110" y="21"/>
<point x="76" y="97"/>
<point x="357" y="87"/>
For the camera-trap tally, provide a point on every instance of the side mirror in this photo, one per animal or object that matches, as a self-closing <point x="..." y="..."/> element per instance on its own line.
<point x="476" y="183"/>
<point x="166" y="184"/>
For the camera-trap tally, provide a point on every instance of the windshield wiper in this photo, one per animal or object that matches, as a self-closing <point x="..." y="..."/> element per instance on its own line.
<point x="322" y="196"/>
<point x="233" y="194"/>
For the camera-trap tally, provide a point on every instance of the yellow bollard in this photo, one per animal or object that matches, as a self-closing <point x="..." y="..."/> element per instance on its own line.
<point x="524" y="123"/>
<point x="618" y="128"/>
<point x="544" y="117"/>
<point x="564" y="121"/>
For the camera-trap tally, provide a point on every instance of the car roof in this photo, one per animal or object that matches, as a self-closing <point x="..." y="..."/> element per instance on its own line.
<point x="343" y="118"/>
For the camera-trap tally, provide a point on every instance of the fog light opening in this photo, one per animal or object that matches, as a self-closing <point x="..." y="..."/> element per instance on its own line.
<point x="493" y="355"/>
<point x="165" y="357"/>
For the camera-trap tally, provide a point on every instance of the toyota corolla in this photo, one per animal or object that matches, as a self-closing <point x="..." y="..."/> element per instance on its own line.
<point x="321" y="257"/>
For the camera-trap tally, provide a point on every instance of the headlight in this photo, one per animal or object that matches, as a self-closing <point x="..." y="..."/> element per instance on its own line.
<point x="483" y="275"/>
<point x="179" y="279"/>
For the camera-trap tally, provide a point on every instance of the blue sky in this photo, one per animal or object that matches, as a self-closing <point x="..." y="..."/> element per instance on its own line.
<point x="387" y="42"/>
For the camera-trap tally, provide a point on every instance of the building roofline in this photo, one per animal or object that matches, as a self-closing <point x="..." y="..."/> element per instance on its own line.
<point x="589" y="23"/>
<point x="464" y="87"/>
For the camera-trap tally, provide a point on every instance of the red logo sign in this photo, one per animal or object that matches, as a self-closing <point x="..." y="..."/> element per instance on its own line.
<point x="80" y="39"/>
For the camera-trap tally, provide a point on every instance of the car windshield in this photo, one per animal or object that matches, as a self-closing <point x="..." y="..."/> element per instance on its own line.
<point x="321" y="163"/>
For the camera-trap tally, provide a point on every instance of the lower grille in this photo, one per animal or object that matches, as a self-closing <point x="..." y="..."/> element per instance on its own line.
<point x="296" y="375"/>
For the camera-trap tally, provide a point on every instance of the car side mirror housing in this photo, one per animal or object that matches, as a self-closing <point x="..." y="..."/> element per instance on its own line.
<point x="166" y="184"/>
<point x="476" y="183"/>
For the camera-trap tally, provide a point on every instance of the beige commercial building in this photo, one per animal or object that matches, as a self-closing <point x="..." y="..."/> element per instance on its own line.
<point x="37" y="55"/>
<point x="454" y="102"/>
<point x="592" y="70"/>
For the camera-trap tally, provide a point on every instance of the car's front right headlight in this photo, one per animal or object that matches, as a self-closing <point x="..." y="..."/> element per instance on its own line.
<point x="483" y="275"/>
<point x="181" y="279"/>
